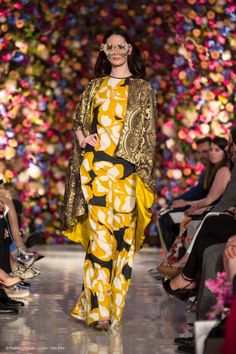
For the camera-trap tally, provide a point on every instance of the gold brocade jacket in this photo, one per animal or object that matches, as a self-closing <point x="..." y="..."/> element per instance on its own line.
<point x="136" y="144"/>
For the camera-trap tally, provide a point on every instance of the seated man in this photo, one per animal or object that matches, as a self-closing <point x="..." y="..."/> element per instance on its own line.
<point x="196" y="192"/>
<point x="168" y="228"/>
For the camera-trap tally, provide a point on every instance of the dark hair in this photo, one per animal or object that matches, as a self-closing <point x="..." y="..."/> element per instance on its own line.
<point x="211" y="169"/>
<point x="135" y="59"/>
<point x="207" y="139"/>
<point x="220" y="142"/>
<point x="233" y="133"/>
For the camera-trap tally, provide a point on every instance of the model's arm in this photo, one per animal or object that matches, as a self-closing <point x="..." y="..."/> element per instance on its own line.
<point x="79" y="121"/>
<point x="218" y="187"/>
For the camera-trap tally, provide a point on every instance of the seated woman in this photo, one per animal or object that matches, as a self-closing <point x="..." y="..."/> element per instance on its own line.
<point x="15" y="258"/>
<point x="217" y="177"/>
<point x="17" y="247"/>
<point x="7" y="281"/>
<point x="215" y="229"/>
<point x="6" y="200"/>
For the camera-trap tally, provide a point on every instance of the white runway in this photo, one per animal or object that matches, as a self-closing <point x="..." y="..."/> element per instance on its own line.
<point x="151" y="319"/>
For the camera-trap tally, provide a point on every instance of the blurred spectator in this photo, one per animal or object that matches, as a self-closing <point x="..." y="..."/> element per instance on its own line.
<point x="168" y="228"/>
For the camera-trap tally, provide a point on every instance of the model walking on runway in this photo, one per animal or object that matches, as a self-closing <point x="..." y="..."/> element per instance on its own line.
<point x="110" y="178"/>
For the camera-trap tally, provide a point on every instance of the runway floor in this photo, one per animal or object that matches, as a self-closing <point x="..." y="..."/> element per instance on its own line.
<point x="150" y="323"/>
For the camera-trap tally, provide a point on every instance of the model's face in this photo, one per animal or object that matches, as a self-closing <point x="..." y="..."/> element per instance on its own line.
<point x="215" y="154"/>
<point x="117" y="50"/>
<point x="202" y="152"/>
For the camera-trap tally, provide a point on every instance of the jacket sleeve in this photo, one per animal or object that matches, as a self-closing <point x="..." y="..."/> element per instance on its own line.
<point x="195" y="193"/>
<point x="145" y="164"/>
<point x="74" y="204"/>
<point x="79" y="118"/>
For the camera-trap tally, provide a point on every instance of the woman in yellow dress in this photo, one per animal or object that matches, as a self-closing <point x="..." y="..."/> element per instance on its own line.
<point x="110" y="179"/>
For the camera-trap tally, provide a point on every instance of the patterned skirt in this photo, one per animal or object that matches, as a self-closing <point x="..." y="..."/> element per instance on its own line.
<point x="108" y="185"/>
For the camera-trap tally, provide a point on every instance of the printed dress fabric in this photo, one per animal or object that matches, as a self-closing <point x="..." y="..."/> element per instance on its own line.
<point x="108" y="184"/>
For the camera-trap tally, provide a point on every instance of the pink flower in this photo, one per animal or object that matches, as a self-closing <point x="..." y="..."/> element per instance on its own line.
<point x="198" y="20"/>
<point x="222" y="289"/>
<point x="189" y="46"/>
<point x="3" y="13"/>
<point x="24" y="84"/>
<point x="6" y="57"/>
<point x="231" y="8"/>
<point x="202" y="56"/>
<point x="221" y="39"/>
<point x="18" y="6"/>
<point x="212" y="24"/>
<point x="3" y="44"/>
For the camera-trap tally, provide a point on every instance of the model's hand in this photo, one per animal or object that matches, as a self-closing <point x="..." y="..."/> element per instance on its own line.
<point x="90" y="139"/>
<point x="230" y="249"/>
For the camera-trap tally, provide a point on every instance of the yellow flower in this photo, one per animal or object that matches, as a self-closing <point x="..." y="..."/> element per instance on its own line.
<point x="196" y="32"/>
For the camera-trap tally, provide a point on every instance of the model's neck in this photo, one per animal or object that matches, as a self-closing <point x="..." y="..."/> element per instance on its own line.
<point x="120" y="71"/>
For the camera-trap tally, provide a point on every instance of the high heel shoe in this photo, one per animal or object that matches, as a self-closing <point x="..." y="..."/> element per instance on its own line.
<point x="192" y="306"/>
<point x="10" y="282"/>
<point x="182" y="294"/>
<point x="168" y="271"/>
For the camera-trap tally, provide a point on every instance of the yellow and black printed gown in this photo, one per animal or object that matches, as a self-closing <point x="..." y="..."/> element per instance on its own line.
<point x="108" y="184"/>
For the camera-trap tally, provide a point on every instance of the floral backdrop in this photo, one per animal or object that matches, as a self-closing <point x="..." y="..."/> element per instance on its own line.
<point x="48" y="50"/>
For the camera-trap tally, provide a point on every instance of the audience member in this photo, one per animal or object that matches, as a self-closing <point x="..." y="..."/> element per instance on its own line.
<point x="168" y="228"/>
<point x="215" y="229"/>
<point x="217" y="175"/>
<point x="199" y="191"/>
<point x="14" y="269"/>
